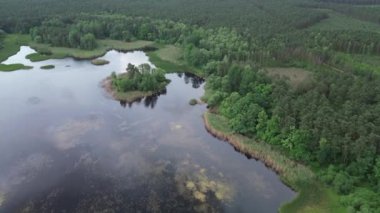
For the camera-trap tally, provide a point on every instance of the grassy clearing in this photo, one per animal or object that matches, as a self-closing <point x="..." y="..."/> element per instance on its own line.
<point x="337" y="21"/>
<point x="12" y="43"/>
<point x="357" y="62"/>
<point x="170" y="53"/>
<point x="295" y="76"/>
<point x="168" y="57"/>
<point x="13" y="67"/>
<point x="35" y="57"/>
<point x="103" y="47"/>
<point x="313" y="197"/>
<point x="99" y="62"/>
<point x="47" y="67"/>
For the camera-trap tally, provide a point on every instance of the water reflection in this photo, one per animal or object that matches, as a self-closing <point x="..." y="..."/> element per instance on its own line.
<point x="150" y="101"/>
<point x="196" y="81"/>
<point x="77" y="151"/>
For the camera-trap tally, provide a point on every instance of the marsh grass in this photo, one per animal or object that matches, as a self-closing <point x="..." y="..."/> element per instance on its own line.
<point x="12" y="43"/>
<point x="47" y="67"/>
<point x="103" y="47"/>
<point x="35" y="57"/>
<point x="13" y="67"/>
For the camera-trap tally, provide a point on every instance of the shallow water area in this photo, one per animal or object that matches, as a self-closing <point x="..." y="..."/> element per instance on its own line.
<point x="66" y="145"/>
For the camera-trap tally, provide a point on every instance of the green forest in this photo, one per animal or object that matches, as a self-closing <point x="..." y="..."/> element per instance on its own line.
<point x="141" y="78"/>
<point x="325" y="114"/>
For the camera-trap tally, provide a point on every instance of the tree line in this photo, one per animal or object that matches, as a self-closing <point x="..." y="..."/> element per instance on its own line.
<point x="330" y="123"/>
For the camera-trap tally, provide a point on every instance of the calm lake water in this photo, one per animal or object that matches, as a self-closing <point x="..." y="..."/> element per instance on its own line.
<point x="65" y="146"/>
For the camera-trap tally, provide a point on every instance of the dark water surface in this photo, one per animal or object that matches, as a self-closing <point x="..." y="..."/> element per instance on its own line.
<point x="65" y="146"/>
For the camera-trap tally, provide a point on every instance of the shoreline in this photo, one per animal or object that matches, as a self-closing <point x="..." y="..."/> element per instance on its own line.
<point x="239" y="142"/>
<point x="128" y="97"/>
<point x="103" y="47"/>
<point x="311" y="195"/>
<point x="236" y="141"/>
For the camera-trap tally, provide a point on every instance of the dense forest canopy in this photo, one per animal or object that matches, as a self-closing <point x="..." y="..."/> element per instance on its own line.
<point x="369" y="2"/>
<point x="330" y="122"/>
<point x="264" y="17"/>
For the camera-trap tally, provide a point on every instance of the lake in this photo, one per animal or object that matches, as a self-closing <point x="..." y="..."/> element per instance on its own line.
<point x="66" y="146"/>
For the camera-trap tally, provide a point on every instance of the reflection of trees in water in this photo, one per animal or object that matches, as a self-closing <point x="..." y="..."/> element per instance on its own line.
<point x="149" y="102"/>
<point x="195" y="81"/>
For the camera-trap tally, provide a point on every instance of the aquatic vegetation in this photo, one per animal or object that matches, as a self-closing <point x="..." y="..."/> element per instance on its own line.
<point x="201" y="185"/>
<point x="67" y="135"/>
<point x="13" y="67"/>
<point x="35" y="57"/>
<point x="175" y="126"/>
<point x="47" y="67"/>
<point x="99" y="62"/>
<point x="193" y="102"/>
<point x="199" y="196"/>
<point x="190" y="185"/>
<point x="2" y="198"/>
<point x="28" y="168"/>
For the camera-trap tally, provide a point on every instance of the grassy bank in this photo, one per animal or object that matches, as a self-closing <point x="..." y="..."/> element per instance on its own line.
<point x="12" y="43"/>
<point x="13" y="67"/>
<point x="35" y="57"/>
<point x="312" y="195"/>
<point x="103" y="47"/>
<point x="168" y="58"/>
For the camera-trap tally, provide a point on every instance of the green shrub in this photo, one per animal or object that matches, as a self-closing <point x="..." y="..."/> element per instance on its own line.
<point x="193" y="102"/>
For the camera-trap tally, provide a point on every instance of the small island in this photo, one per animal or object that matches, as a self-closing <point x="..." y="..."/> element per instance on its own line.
<point x="99" y="62"/>
<point x="193" y="102"/>
<point x="47" y="67"/>
<point x="136" y="83"/>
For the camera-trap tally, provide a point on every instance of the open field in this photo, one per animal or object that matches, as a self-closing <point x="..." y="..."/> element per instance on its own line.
<point x="170" y="53"/>
<point x="168" y="58"/>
